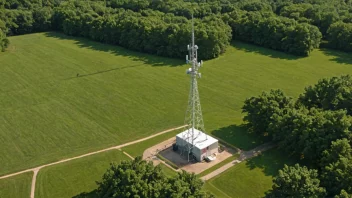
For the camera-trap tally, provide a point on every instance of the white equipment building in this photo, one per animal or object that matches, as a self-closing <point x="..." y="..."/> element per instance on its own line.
<point x="203" y="144"/>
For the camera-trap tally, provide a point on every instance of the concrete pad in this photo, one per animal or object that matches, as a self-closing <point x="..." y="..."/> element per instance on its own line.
<point x="165" y="150"/>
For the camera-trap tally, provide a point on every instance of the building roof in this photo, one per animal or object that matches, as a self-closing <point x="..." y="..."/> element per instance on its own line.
<point x="201" y="139"/>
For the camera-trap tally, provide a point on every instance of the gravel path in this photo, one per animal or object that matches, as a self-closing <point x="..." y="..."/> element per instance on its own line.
<point x="36" y="169"/>
<point x="244" y="156"/>
<point x="128" y="155"/>
<point x="34" y="179"/>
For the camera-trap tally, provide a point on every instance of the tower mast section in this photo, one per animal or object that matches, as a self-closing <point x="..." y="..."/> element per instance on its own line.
<point x="194" y="118"/>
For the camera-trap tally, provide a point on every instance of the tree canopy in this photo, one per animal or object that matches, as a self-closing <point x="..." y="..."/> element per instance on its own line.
<point x="138" y="178"/>
<point x="297" y="182"/>
<point x="4" y="41"/>
<point x="329" y="94"/>
<point x="291" y="26"/>
<point x="316" y="128"/>
<point x="261" y="109"/>
<point x="337" y="167"/>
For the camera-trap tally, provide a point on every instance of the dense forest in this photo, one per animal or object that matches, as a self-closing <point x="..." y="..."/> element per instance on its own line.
<point x="163" y="27"/>
<point x="315" y="128"/>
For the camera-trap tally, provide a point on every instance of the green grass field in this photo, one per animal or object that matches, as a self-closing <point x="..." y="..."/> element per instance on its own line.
<point x="251" y="178"/>
<point x="137" y="149"/>
<point x="17" y="187"/>
<point x="48" y="113"/>
<point x="75" y="177"/>
<point x="168" y="171"/>
<point x="213" y="168"/>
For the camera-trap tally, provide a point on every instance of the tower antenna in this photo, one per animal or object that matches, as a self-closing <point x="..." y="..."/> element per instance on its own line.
<point x="194" y="117"/>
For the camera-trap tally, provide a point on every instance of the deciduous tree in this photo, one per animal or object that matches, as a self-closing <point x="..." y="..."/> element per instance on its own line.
<point x="297" y="182"/>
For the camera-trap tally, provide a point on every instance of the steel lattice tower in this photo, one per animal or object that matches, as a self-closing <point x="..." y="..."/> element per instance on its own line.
<point x="194" y="117"/>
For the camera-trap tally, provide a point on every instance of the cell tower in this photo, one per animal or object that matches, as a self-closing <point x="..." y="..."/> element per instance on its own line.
<point x="194" y="117"/>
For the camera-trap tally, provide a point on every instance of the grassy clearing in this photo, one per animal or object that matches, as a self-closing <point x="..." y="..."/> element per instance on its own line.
<point x="18" y="186"/>
<point x="75" y="177"/>
<point x="137" y="149"/>
<point x="215" y="191"/>
<point x="168" y="171"/>
<point x="48" y="113"/>
<point x="251" y="178"/>
<point x="213" y="168"/>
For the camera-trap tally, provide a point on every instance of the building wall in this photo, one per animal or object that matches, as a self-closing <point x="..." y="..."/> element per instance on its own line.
<point x="213" y="148"/>
<point x="182" y="144"/>
<point x="199" y="154"/>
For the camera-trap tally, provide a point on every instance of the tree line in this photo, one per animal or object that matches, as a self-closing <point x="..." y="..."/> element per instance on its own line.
<point x="323" y="14"/>
<point x="4" y="41"/>
<point x="161" y="26"/>
<point x="278" y="33"/>
<point x="315" y="128"/>
<point x="147" y="31"/>
<point x="138" y="178"/>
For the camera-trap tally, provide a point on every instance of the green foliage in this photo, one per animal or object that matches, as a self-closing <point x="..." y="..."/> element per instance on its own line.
<point x="19" y="21"/>
<point x="185" y="8"/>
<point x="297" y="182"/>
<point x="256" y="6"/>
<point x="42" y="19"/>
<point x="291" y="26"/>
<point x="147" y="31"/>
<point x="337" y="167"/>
<point x="317" y="129"/>
<point x="139" y="178"/>
<point x="308" y="133"/>
<point x="266" y="29"/>
<point x="343" y="194"/>
<point x="132" y="179"/>
<point x="329" y="94"/>
<point x="4" y="41"/>
<point x="340" y="36"/>
<point x="261" y="109"/>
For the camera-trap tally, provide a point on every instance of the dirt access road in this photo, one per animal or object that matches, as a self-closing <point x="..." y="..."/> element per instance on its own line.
<point x="36" y="169"/>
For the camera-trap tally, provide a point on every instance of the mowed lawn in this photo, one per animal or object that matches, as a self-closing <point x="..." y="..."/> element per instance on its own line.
<point x="75" y="177"/>
<point x="138" y="149"/>
<point x="62" y="96"/>
<point x="18" y="186"/>
<point x="168" y="171"/>
<point x="250" y="178"/>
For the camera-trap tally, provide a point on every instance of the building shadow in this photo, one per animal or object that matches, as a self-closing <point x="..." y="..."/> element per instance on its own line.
<point x="338" y="56"/>
<point x="152" y="60"/>
<point x="239" y="136"/>
<point x="252" y="48"/>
